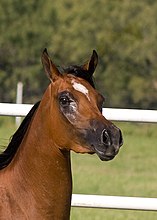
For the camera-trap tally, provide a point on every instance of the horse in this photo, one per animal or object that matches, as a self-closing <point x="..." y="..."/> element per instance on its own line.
<point x="35" y="168"/>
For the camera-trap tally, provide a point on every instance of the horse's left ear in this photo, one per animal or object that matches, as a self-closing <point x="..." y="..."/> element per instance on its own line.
<point x="50" y="68"/>
<point x="90" y="66"/>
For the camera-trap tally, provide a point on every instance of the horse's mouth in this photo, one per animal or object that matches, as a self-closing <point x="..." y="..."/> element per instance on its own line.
<point x="104" y="156"/>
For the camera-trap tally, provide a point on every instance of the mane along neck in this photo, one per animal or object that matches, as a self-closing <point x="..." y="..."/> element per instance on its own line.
<point x="7" y="156"/>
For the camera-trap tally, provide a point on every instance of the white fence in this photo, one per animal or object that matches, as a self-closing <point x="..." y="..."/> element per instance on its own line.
<point x="114" y="202"/>
<point x="133" y="115"/>
<point x="95" y="201"/>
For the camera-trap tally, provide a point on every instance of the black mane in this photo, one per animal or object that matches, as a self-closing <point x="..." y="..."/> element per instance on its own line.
<point x="8" y="154"/>
<point x="80" y="72"/>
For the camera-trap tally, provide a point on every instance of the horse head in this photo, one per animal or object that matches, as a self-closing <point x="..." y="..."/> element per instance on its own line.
<point x="76" y="112"/>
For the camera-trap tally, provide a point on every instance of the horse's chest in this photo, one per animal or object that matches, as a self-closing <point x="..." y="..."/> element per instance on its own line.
<point x="9" y="209"/>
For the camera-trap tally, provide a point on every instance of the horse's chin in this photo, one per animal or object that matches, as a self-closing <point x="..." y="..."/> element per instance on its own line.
<point x="92" y="150"/>
<point x="102" y="156"/>
<point x="105" y="157"/>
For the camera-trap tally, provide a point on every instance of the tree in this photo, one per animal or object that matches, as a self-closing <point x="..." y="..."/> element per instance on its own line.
<point x="123" y="33"/>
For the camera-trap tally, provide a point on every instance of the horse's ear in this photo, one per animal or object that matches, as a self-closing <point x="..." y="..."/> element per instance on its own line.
<point x="90" y="66"/>
<point x="51" y="70"/>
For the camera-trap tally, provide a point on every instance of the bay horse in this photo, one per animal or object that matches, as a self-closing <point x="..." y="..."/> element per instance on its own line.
<point x="35" y="168"/>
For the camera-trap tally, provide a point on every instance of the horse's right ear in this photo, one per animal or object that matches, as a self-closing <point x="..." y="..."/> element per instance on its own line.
<point x="51" y="70"/>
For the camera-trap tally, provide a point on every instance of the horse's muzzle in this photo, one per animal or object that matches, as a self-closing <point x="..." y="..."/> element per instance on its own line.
<point x="104" y="140"/>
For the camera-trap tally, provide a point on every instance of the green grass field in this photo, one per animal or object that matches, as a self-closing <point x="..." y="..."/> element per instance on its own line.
<point x="132" y="173"/>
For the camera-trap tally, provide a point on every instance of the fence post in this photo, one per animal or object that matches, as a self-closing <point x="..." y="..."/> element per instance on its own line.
<point x="19" y="95"/>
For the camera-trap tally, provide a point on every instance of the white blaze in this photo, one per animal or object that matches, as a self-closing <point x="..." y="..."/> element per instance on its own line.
<point x="81" y="88"/>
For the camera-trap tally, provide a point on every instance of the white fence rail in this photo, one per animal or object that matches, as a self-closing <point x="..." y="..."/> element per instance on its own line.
<point x="133" y="115"/>
<point x="114" y="202"/>
<point x="14" y="109"/>
<point x="95" y="201"/>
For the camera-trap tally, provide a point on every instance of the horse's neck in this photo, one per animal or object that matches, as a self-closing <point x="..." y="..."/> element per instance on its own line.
<point x="43" y="171"/>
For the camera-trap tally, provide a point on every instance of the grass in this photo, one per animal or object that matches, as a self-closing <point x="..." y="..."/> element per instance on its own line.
<point x="7" y="128"/>
<point x="132" y="173"/>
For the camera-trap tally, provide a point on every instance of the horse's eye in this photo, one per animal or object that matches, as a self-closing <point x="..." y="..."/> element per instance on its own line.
<point x="64" y="101"/>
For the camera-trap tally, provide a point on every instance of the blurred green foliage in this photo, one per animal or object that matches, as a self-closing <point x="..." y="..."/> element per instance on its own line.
<point x="123" y="32"/>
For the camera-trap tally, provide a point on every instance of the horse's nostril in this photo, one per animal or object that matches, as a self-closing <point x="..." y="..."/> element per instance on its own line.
<point x="105" y="138"/>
